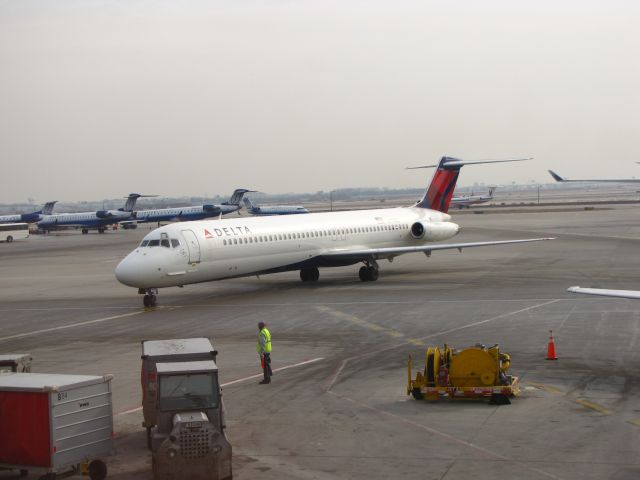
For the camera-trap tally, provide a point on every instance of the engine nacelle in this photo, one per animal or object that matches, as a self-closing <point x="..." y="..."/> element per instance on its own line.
<point x="434" y="231"/>
<point x="103" y="214"/>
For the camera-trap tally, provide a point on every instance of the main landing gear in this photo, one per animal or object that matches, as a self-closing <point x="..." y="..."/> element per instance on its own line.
<point x="150" y="296"/>
<point x="309" y="274"/>
<point x="368" y="272"/>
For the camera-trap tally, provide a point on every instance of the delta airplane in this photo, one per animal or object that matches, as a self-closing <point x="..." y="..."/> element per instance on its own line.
<point x="29" y="217"/>
<point x="558" y="178"/>
<point x="203" y="251"/>
<point x="468" y="200"/>
<point x="86" y="220"/>
<point x="273" y="209"/>
<point x="198" y="212"/>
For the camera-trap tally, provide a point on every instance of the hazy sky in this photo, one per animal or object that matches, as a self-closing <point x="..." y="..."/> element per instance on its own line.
<point x="102" y="98"/>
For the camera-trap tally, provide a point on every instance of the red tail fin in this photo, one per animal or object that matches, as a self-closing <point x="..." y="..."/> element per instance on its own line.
<point x="443" y="183"/>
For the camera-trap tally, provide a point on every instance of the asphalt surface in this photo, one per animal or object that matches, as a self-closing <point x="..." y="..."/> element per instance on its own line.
<point x="344" y="413"/>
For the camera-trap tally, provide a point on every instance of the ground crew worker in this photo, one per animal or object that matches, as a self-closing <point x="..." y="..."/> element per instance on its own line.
<point x="264" y="350"/>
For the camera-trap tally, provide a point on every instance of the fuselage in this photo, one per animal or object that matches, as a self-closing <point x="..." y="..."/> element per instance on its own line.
<point x="84" y="219"/>
<point x="281" y="210"/>
<point x="182" y="214"/>
<point x="201" y="251"/>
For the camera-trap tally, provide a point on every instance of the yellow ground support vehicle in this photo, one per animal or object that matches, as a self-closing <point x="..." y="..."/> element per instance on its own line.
<point x="473" y="373"/>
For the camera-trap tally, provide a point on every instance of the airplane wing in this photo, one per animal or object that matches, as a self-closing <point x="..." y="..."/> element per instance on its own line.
<point x="377" y="253"/>
<point x="558" y="178"/>
<point x="605" y="292"/>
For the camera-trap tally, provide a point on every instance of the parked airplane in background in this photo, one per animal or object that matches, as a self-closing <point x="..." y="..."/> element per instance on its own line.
<point x="29" y="217"/>
<point x="199" y="212"/>
<point x="273" y="209"/>
<point x="99" y="220"/>
<point x="468" y="200"/>
<point x="558" y="178"/>
<point x="635" y="294"/>
<point x="207" y="250"/>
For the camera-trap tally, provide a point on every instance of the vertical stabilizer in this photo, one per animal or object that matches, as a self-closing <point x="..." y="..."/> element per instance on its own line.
<point x="440" y="190"/>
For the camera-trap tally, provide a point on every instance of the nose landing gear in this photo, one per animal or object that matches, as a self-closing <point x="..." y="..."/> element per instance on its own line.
<point x="150" y="299"/>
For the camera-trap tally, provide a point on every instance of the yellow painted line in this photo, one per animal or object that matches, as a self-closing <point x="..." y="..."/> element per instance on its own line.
<point x="594" y="406"/>
<point x="635" y="421"/>
<point x="548" y="388"/>
<point x="359" y="321"/>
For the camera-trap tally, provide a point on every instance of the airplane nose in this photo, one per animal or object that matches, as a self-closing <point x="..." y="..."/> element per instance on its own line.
<point x="126" y="273"/>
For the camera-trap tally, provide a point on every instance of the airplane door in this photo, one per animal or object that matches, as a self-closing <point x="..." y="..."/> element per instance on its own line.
<point x="193" y="245"/>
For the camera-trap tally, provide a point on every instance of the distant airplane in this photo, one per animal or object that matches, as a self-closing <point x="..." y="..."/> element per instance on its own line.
<point x="273" y="209"/>
<point x="558" y="178"/>
<point x="635" y="294"/>
<point x="468" y="200"/>
<point x="206" y="250"/>
<point x="199" y="212"/>
<point x="99" y="220"/>
<point x="29" y="217"/>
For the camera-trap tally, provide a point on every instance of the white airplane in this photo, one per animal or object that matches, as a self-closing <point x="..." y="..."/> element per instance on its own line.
<point x="207" y="250"/>
<point x="29" y="217"/>
<point x="468" y="200"/>
<point x="273" y="209"/>
<point x="606" y="292"/>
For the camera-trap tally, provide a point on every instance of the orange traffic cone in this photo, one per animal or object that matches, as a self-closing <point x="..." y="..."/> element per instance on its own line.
<point x="551" y="348"/>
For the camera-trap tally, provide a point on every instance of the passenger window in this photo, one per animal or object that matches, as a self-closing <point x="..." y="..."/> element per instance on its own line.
<point x="154" y="243"/>
<point x="224" y="242"/>
<point x="235" y="241"/>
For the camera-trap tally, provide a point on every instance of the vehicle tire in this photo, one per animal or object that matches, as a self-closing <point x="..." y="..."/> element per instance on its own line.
<point x="373" y="274"/>
<point x="363" y="273"/>
<point x="9" y="239"/>
<point x="417" y="394"/>
<point x="85" y="231"/>
<point x="97" y="470"/>
<point x="315" y="275"/>
<point x="146" y="301"/>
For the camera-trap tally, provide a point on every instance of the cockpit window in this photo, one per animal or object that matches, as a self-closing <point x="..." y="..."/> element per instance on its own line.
<point x="165" y="243"/>
<point x="175" y="243"/>
<point x="154" y="243"/>
<point x="144" y="243"/>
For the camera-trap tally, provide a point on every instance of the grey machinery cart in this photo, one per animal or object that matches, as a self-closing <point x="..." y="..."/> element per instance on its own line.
<point x="52" y="423"/>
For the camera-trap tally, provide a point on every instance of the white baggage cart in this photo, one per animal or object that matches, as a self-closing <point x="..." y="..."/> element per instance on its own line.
<point x="56" y="424"/>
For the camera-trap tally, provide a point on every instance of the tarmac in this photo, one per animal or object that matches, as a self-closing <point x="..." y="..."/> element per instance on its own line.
<point x="337" y="407"/>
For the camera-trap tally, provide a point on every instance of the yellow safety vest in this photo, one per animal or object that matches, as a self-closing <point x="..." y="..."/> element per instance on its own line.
<point x="267" y="341"/>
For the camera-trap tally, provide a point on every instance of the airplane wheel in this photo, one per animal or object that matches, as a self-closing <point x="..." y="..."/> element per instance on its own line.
<point x="85" y="231"/>
<point x="153" y="300"/>
<point x="146" y="300"/>
<point x="309" y="274"/>
<point x="101" y="230"/>
<point x="9" y="239"/>
<point x="373" y="274"/>
<point x="363" y="273"/>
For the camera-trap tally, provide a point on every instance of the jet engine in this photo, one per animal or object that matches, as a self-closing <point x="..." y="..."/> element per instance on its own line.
<point x="434" y="231"/>
<point x="103" y="214"/>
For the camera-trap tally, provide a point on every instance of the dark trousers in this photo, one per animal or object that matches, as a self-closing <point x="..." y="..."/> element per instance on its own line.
<point x="267" y="367"/>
